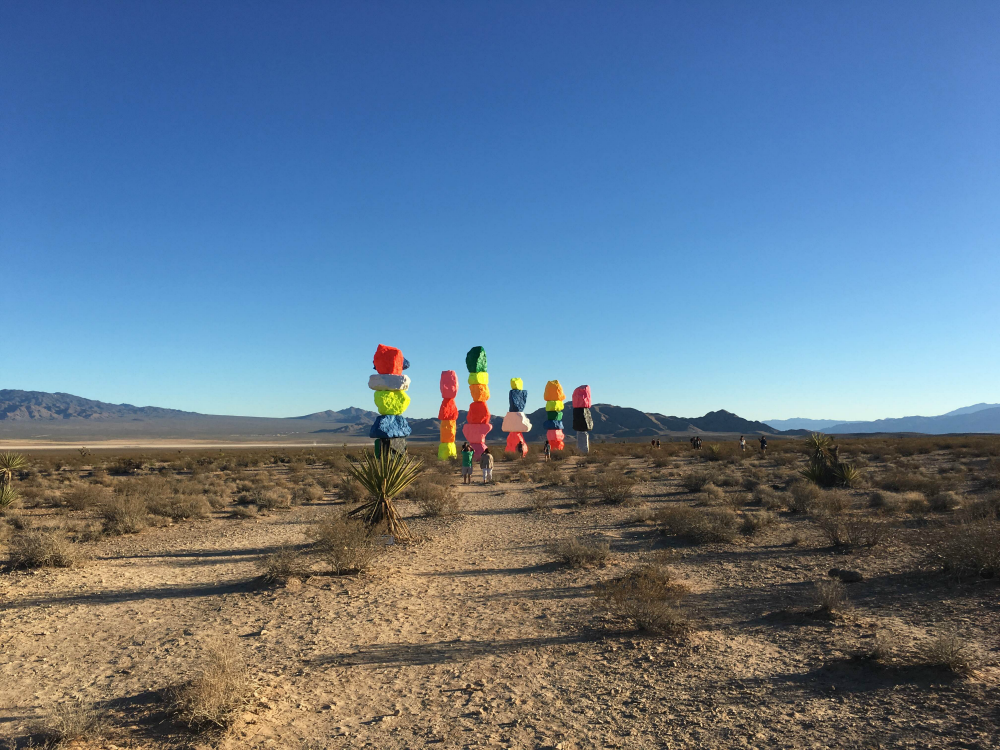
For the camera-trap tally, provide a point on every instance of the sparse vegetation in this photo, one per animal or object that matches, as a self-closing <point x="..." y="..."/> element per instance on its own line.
<point x="949" y="650"/>
<point x="41" y="548"/>
<point x="699" y="525"/>
<point x="218" y="692"/>
<point x="345" y="544"/>
<point x="615" y="487"/>
<point x="647" y="597"/>
<point x="577" y="553"/>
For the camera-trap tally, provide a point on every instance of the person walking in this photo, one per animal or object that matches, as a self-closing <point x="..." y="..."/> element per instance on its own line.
<point x="547" y="451"/>
<point x="763" y="445"/>
<point x="467" y="456"/>
<point x="520" y="450"/>
<point x="486" y="464"/>
<point x="743" y="444"/>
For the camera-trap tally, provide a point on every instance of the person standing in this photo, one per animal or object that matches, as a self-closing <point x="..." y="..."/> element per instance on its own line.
<point x="486" y="464"/>
<point x="743" y="444"/>
<point x="547" y="451"/>
<point x="467" y="456"/>
<point x="763" y="445"/>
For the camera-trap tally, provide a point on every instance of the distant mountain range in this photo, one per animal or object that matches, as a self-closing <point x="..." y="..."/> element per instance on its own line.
<point x="62" y="416"/>
<point x="976" y="418"/>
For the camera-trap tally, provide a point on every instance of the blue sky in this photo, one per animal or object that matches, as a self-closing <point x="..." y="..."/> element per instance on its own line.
<point x="780" y="209"/>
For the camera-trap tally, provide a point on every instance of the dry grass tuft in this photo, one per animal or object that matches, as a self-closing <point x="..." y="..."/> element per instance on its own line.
<point x="971" y="548"/>
<point x="951" y="651"/>
<point x="284" y="565"/>
<point x="647" y="598"/>
<point x="74" y="722"/>
<point x="831" y="596"/>
<point x="615" y="487"/>
<point x="434" y="499"/>
<point x="858" y="531"/>
<point x="41" y="548"/>
<point x="346" y="544"/>
<point x="577" y="553"/>
<point x="125" y="512"/>
<point x="699" y="525"/>
<point x="218" y="693"/>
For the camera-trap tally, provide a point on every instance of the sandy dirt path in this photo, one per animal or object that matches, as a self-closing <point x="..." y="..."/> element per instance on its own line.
<point x="473" y="637"/>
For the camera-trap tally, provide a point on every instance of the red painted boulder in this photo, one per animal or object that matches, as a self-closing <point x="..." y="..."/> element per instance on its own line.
<point x="388" y="360"/>
<point x="448" y="410"/>
<point x="479" y="413"/>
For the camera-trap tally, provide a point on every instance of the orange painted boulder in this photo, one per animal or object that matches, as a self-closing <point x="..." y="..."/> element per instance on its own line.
<point x="480" y="392"/>
<point x="388" y="360"/>
<point x="449" y="430"/>
<point x="554" y="391"/>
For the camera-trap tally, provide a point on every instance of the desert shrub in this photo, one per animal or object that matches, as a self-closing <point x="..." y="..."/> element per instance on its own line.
<point x="711" y="495"/>
<point x="880" y="649"/>
<point x="698" y="525"/>
<point x="270" y="498"/>
<point x="346" y="544"/>
<point x="991" y="475"/>
<point x="949" y="650"/>
<point x="41" y="548"/>
<point x="696" y="481"/>
<point x="886" y="502"/>
<point x="435" y="500"/>
<point x="243" y="511"/>
<point x="615" y="487"/>
<point x="74" y="722"/>
<point x="541" y="502"/>
<point x="283" y="565"/>
<point x="943" y="502"/>
<point x="577" y="553"/>
<point x="179" y="507"/>
<point x="831" y="596"/>
<point x="580" y="490"/>
<point x="124" y="513"/>
<point x="901" y="480"/>
<point x="754" y="523"/>
<point x="804" y="496"/>
<point x="84" y="496"/>
<point x="126" y="465"/>
<point x="548" y="473"/>
<point x="306" y="493"/>
<point x="971" y="548"/>
<point x="768" y="497"/>
<point x="853" y="532"/>
<point x="218" y="693"/>
<point x="831" y="502"/>
<point x="350" y="491"/>
<point x="647" y="598"/>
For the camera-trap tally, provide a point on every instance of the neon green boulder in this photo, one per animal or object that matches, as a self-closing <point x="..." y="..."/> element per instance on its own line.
<point x="391" y="402"/>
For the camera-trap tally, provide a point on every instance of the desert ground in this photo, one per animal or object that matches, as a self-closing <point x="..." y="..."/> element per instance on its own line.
<point x="631" y="598"/>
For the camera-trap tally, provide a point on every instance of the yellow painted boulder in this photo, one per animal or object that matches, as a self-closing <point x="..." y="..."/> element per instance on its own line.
<point x="479" y="378"/>
<point x="554" y="391"/>
<point x="447" y="451"/>
<point x="516" y="384"/>
<point x="553" y="405"/>
<point x="480" y="392"/>
<point x="391" y="402"/>
<point x="449" y="430"/>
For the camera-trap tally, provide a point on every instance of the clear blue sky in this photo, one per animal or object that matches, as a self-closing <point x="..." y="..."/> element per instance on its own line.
<point x="780" y="209"/>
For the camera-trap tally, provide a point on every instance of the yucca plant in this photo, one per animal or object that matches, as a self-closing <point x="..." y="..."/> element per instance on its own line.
<point x="9" y="464"/>
<point x="383" y="478"/>
<point x="848" y="475"/>
<point x="7" y="496"/>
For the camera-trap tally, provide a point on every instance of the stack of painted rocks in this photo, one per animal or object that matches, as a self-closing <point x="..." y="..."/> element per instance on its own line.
<point x="516" y="422"/>
<point x="391" y="400"/>
<point x="448" y="414"/>
<point x="583" y="423"/>
<point x="477" y="425"/>
<point x="554" y="396"/>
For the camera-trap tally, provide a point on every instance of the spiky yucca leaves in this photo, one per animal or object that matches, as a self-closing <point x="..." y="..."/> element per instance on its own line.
<point x="819" y="446"/>
<point x="10" y="463"/>
<point x="848" y="475"/>
<point x="384" y="477"/>
<point x="7" y="496"/>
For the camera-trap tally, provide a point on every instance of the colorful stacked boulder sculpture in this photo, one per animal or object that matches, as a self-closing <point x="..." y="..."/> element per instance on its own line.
<point x="516" y="422"/>
<point x="448" y="414"/>
<point x="583" y="423"/>
<point x="554" y="398"/>
<point x="477" y="425"/>
<point x="391" y="399"/>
